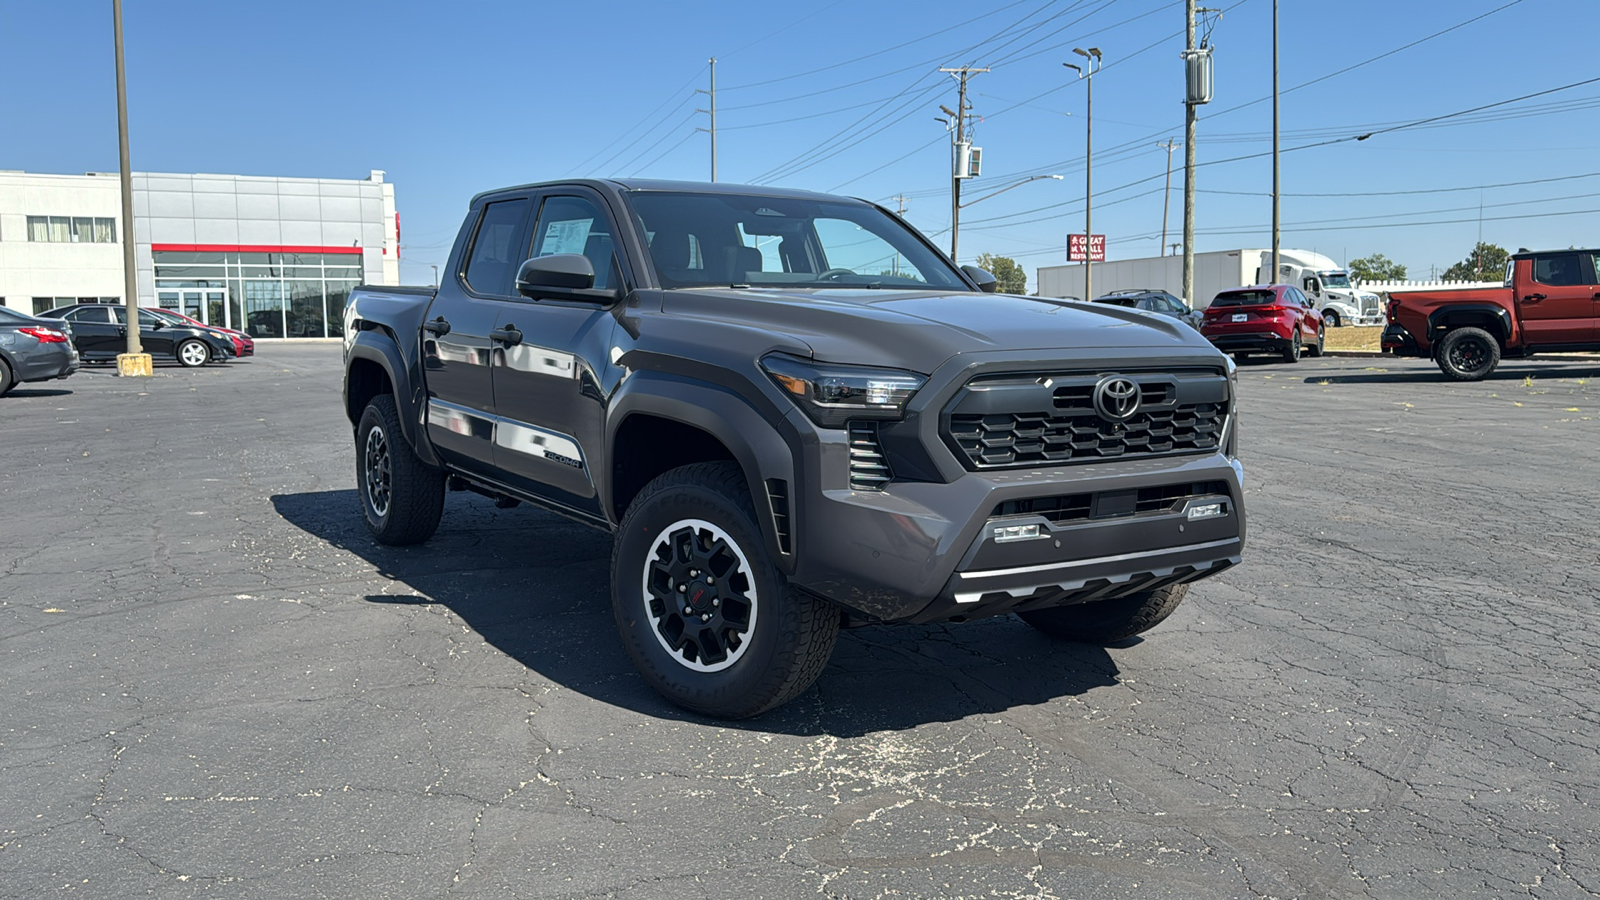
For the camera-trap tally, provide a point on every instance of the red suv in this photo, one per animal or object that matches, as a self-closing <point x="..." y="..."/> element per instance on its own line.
<point x="1266" y="318"/>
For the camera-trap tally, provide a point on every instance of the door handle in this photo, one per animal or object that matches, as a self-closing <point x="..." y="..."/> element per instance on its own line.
<point x="438" y="327"/>
<point x="508" y="335"/>
<point x="1533" y="298"/>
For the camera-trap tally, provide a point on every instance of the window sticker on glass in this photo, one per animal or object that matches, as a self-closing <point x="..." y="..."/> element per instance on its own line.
<point x="565" y="237"/>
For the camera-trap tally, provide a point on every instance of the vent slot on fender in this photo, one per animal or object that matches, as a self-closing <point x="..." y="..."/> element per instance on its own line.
<point x="778" y="500"/>
<point x="869" y="468"/>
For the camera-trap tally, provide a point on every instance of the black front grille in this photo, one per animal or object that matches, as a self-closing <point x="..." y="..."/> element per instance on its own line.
<point x="1144" y="501"/>
<point x="1049" y="419"/>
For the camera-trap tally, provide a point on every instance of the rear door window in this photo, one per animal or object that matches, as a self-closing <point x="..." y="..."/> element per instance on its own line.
<point x="96" y="315"/>
<point x="493" y="260"/>
<point x="1558" y="269"/>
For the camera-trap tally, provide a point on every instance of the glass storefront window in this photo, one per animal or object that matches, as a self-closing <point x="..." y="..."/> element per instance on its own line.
<point x="338" y="298"/>
<point x="263" y="308"/>
<point x="305" y="308"/>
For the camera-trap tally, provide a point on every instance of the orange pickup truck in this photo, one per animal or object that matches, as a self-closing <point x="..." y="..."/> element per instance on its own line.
<point x="1550" y="302"/>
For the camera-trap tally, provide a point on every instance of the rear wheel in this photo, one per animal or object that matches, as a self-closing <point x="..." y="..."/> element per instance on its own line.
<point x="1468" y="354"/>
<point x="192" y="353"/>
<point x="1291" y="353"/>
<point x="708" y="620"/>
<point x="1107" y="621"/>
<point x="402" y="497"/>
<point x="7" y="381"/>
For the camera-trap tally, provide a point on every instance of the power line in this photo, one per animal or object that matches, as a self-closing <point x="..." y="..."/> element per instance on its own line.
<point x="581" y="166"/>
<point x="1447" y="190"/>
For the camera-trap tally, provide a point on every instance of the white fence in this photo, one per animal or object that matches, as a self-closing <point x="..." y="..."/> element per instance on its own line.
<point x="1384" y="287"/>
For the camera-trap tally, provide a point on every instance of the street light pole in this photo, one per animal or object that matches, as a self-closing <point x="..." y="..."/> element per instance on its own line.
<point x="1091" y="59"/>
<point x="135" y="361"/>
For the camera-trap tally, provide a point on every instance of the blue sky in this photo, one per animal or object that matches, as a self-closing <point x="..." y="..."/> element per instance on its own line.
<point x="452" y="99"/>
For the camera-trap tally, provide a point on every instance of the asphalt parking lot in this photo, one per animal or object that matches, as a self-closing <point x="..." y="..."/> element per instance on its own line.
<point x="216" y="685"/>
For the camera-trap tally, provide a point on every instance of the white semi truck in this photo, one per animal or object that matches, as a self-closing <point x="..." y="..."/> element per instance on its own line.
<point x="1324" y="281"/>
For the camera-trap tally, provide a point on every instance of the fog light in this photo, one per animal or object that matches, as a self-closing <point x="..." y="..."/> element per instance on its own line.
<point x="1006" y="534"/>
<point x="1207" y="511"/>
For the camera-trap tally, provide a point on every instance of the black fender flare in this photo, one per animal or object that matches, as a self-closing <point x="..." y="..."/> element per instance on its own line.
<point x="379" y="347"/>
<point x="1499" y="313"/>
<point x="764" y="448"/>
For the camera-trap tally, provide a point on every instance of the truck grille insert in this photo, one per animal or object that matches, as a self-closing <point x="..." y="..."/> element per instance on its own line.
<point x="1031" y="420"/>
<point x="869" y="468"/>
<point x="1166" y="498"/>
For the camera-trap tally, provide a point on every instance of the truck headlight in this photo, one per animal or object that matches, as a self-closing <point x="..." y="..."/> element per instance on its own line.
<point x="830" y="394"/>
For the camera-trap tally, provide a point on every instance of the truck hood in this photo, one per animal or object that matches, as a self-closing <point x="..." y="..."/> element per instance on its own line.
<point x="920" y="329"/>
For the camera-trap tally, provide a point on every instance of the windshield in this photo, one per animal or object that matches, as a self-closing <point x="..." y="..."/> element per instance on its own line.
<point x="699" y="240"/>
<point x="1334" y="279"/>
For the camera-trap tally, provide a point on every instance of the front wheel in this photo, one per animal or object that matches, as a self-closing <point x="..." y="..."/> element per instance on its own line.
<point x="402" y="496"/>
<point x="1322" y="340"/>
<point x="708" y="620"/>
<point x="1108" y="621"/>
<point x="1331" y="316"/>
<point x="193" y="353"/>
<point x="1468" y="354"/>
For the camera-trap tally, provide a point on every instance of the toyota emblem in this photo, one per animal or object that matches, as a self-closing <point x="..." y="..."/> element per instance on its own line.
<point x="1116" y="398"/>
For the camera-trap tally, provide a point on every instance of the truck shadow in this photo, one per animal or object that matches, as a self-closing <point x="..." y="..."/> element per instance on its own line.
<point x="1543" y="369"/>
<point x="537" y="587"/>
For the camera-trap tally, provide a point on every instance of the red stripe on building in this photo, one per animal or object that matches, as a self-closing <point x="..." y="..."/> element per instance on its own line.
<point x="251" y="248"/>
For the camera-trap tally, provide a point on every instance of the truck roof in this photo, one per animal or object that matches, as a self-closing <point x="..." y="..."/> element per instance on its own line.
<point x="1524" y="252"/>
<point x="657" y="184"/>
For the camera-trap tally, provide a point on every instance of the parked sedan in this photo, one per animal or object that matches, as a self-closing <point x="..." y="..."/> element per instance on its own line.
<point x="243" y="344"/>
<point x="1159" y="302"/>
<point x="1266" y="318"/>
<point x="101" y="332"/>
<point x="33" y="350"/>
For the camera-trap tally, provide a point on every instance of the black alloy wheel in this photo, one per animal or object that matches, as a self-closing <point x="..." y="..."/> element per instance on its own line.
<point x="1322" y="339"/>
<point x="707" y="618"/>
<point x="1468" y="354"/>
<point x="402" y="498"/>
<point x="1291" y="353"/>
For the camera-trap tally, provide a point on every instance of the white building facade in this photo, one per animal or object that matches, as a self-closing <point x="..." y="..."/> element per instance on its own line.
<point x="273" y="257"/>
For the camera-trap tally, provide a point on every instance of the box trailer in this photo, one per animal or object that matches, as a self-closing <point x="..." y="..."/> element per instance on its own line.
<point x="1325" y="283"/>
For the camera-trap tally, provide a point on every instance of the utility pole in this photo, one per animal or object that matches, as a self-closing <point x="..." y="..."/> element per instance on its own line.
<point x="1275" y="221"/>
<point x="1166" y="197"/>
<point x="1091" y="63"/>
<point x="135" y="361"/>
<point x="713" y="111"/>
<point x="900" y="210"/>
<point x="961" y="73"/>
<point x="1188" y="166"/>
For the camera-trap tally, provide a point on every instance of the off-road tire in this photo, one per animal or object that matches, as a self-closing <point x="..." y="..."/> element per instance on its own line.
<point x="1467" y="354"/>
<point x="1322" y="339"/>
<point x="1108" y="621"/>
<point x="1291" y="353"/>
<point x="790" y="633"/>
<point x="401" y="504"/>
<point x="7" y="382"/>
<point x="192" y="353"/>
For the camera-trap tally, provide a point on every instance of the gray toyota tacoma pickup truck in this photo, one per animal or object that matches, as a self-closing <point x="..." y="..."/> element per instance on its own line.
<point x="795" y="415"/>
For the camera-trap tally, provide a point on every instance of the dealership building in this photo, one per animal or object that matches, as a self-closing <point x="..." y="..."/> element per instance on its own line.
<point x="273" y="257"/>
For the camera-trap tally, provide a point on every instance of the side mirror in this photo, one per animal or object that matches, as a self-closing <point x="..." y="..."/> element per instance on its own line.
<point x="561" y="276"/>
<point x="157" y="325"/>
<point x="985" y="281"/>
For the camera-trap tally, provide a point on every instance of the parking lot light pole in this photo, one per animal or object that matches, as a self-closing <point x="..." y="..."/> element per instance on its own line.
<point x="135" y="361"/>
